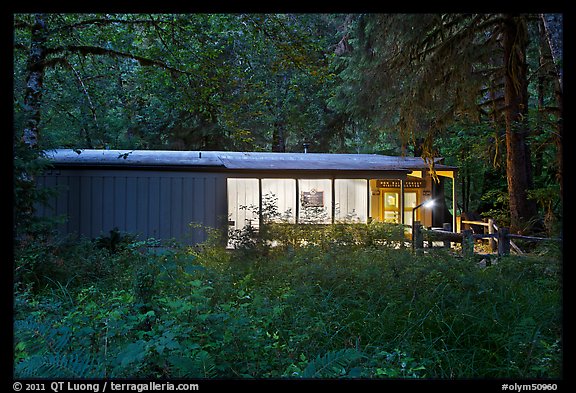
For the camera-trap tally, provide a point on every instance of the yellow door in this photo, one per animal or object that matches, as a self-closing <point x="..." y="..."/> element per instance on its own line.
<point x="390" y="206"/>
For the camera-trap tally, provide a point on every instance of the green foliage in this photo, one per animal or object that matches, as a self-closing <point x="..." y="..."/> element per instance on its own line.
<point x="498" y="200"/>
<point x="179" y="81"/>
<point x="332" y="364"/>
<point x="343" y="83"/>
<point x="49" y="262"/>
<point x="43" y="351"/>
<point x="275" y="233"/>
<point x="57" y="366"/>
<point x="28" y="164"/>
<point x="319" y="310"/>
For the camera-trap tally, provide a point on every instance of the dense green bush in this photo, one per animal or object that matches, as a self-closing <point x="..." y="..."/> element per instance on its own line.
<point x="324" y="308"/>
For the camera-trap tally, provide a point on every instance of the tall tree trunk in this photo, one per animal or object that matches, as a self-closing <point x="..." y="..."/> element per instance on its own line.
<point x="279" y="126"/>
<point x="35" y="80"/>
<point x="554" y="36"/>
<point x="278" y="139"/>
<point x="553" y="33"/>
<point x="518" y="165"/>
<point x="543" y="59"/>
<point x="26" y="149"/>
<point x="465" y="179"/>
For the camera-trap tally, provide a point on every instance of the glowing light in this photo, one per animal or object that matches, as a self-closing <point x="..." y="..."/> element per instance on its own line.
<point x="429" y="203"/>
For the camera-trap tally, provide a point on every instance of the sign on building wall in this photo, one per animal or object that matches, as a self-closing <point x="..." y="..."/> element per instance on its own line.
<point x="312" y="198"/>
<point x="393" y="183"/>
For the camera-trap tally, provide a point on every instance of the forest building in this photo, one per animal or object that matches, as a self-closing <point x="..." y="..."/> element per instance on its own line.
<point x="158" y="194"/>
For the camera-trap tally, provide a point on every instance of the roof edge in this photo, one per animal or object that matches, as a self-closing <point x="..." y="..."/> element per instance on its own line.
<point x="232" y="160"/>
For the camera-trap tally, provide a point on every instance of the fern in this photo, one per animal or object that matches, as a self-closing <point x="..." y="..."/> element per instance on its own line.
<point x="332" y="365"/>
<point x="48" y="352"/>
<point x="42" y="337"/>
<point x="74" y="365"/>
<point x="207" y="364"/>
<point x="525" y="344"/>
<point x="201" y="365"/>
<point x="525" y="332"/>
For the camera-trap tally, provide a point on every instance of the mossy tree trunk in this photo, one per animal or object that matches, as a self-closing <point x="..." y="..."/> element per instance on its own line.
<point x="518" y="165"/>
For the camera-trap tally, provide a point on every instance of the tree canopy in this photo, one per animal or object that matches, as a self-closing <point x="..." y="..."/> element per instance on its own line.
<point x="198" y="81"/>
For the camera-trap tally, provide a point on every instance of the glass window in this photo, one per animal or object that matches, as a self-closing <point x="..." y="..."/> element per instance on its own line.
<point x="409" y="200"/>
<point x="243" y="203"/>
<point x="315" y="201"/>
<point x="391" y="217"/>
<point x="409" y="203"/>
<point x="279" y="200"/>
<point x="351" y="200"/>
<point x="391" y="200"/>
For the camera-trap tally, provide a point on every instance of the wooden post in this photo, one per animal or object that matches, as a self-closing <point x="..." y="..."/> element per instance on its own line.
<point x="418" y="237"/>
<point x="401" y="204"/>
<point x="503" y="241"/>
<point x="491" y="240"/>
<point x="454" y="204"/>
<point x="260" y="217"/>
<point x="467" y="243"/>
<point x="368" y="201"/>
<point x="447" y="227"/>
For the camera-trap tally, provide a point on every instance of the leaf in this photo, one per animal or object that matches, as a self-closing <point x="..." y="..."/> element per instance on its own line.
<point x="201" y="365"/>
<point x="134" y="352"/>
<point x="331" y="364"/>
<point x="75" y="365"/>
<point x="355" y="372"/>
<point x="191" y="269"/>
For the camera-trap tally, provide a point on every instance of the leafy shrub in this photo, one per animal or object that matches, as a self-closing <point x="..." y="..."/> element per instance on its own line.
<point x="324" y="308"/>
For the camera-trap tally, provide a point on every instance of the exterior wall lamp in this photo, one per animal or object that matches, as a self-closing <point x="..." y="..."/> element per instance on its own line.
<point x="426" y="204"/>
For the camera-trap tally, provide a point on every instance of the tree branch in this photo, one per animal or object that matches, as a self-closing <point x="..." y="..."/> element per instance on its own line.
<point x="104" y="22"/>
<point x="99" y="51"/>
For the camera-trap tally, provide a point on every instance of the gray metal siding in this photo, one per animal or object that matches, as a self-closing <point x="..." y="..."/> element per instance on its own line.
<point x="147" y="203"/>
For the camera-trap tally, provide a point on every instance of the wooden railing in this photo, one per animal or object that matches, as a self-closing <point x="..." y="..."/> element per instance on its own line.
<point x="500" y="239"/>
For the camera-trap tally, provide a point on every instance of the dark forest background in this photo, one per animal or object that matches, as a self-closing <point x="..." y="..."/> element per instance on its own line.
<point x="484" y="91"/>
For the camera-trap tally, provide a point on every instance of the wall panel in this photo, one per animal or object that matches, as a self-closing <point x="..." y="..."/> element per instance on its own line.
<point x="155" y="204"/>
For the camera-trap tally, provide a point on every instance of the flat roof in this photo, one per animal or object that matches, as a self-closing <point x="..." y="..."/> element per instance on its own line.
<point x="240" y="160"/>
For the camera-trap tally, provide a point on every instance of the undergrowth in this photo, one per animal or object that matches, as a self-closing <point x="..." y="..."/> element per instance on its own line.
<point x="324" y="308"/>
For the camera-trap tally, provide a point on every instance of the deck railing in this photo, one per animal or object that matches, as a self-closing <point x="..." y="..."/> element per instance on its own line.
<point x="500" y="238"/>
